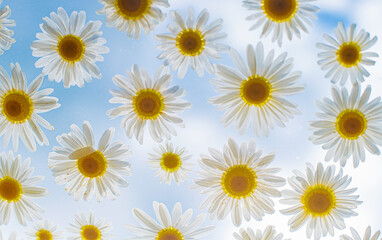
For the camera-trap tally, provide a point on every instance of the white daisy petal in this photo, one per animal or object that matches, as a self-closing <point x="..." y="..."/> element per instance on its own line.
<point x="237" y="185"/>
<point x="44" y="230"/>
<point x="356" y="236"/>
<point x="85" y="227"/>
<point x="352" y="119"/>
<point x="256" y="95"/>
<point x="322" y="205"/>
<point x="280" y="16"/>
<point x="16" y="189"/>
<point x="68" y="48"/>
<point x="346" y="55"/>
<point x="170" y="163"/>
<point x="155" y="106"/>
<point x="191" y="43"/>
<point x="177" y="226"/>
<point x="86" y="170"/>
<point x="20" y="106"/>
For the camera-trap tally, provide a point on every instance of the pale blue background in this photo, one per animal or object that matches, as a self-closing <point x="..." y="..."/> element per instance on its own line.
<point x="203" y="127"/>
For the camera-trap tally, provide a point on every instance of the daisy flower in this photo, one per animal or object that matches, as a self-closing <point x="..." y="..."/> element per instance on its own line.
<point x="239" y="182"/>
<point x="44" y="231"/>
<point x="147" y="102"/>
<point x="20" y="107"/>
<point x="268" y="234"/>
<point x="348" y="125"/>
<point x="170" y="163"/>
<point x="356" y="236"/>
<point x="13" y="236"/>
<point x="86" y="170"/>
<point x="68" y="48"/>
<point x="344" y="57"/>
<point x="87" y="228"/>
<point x="191" y="42"/>
<point x="131" y="15"/>
<point x="176" y="226"/>
<point x="320" y="199"/>
<point x="281" y="17"/>
<point x="256" y="93"/>
<point x="17" y="188"/>
<point x="6" y="34"/>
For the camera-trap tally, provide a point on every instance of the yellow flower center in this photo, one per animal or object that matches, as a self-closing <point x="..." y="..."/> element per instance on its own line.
<point x="16" y="106"/>
<point x="132" y="9"/>
<point x="190" y="42"/>
<point x="90" y="232"/>
<point x="71" y="48"/>
<point x="239" y="181"/>
<point x="148" y="103"/>
<point x="92" y="165"/>
<point x="318" y="200"/>
<point x="351" y="124"/>
<point x="279" y="10"/>
<point x="256" y="90"/>
<point x="10" y="189"/>
<point x="43" y="234"/>
<point x="170" y="233"/>
<point x="170" y="162"/>
<point x="349" y="54"/>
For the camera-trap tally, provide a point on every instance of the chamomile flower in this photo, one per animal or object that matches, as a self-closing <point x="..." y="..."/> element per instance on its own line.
<point x="147" y="102"/>
<point x="356" y="236"/>
<point x="6" y="34"/>
<point x="86" y="170"/>
<point x="344" y="56"/>
<point x="348" y="125"/>
<point x="170" y="163"/>
<point x="320" y="199"/>
<point x="191" y="42"/>
<point x="238" y="181"/>
<point x="131" y="16"/>
<point x="281" y="17"/>
<point x="44" y="231"/>
<point x="256" y="93"/>
<point x="268" y="234"/>
<point x="17" y="188"/>
<point x="87" y="228"/>
<point x="69" y="48"/>
<point x="13" y="236"/>
<point x="20" y="107"/>
<point x="176" y="226"/>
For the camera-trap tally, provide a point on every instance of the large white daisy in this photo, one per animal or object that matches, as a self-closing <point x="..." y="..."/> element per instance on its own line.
<point x="356" y="236"/>
<point x="20" y="107"/>
<point x="170" y="163"/>
<point x="13" y="236"/>
<point x="17" y="188"/>
<point x="348" y="125"/>
<point x="344" y="56"/>
<point x="69" y="48"/>
<point x="86" y="169"/>
<point x="239" y="182"/>
<point x="269" y="233"/>
<point x="192" y="42"/>
<point x="87" y="228"/>
<point x="177" y="226"/>
<point x="6" y="34"/>
<point x="44" y="231"/>
<point x="131" y="15"/>
<point x="320" y="199"/>
<point x="147" y="102"/>
<point x="256" y="93"/>
<point x="281" y="17"/>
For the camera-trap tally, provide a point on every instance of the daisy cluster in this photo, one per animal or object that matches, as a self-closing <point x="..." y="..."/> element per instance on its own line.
<point x="255" y="92"/>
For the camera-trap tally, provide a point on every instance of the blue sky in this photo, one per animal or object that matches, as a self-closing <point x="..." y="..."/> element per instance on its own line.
<point x="203" y="127"/>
